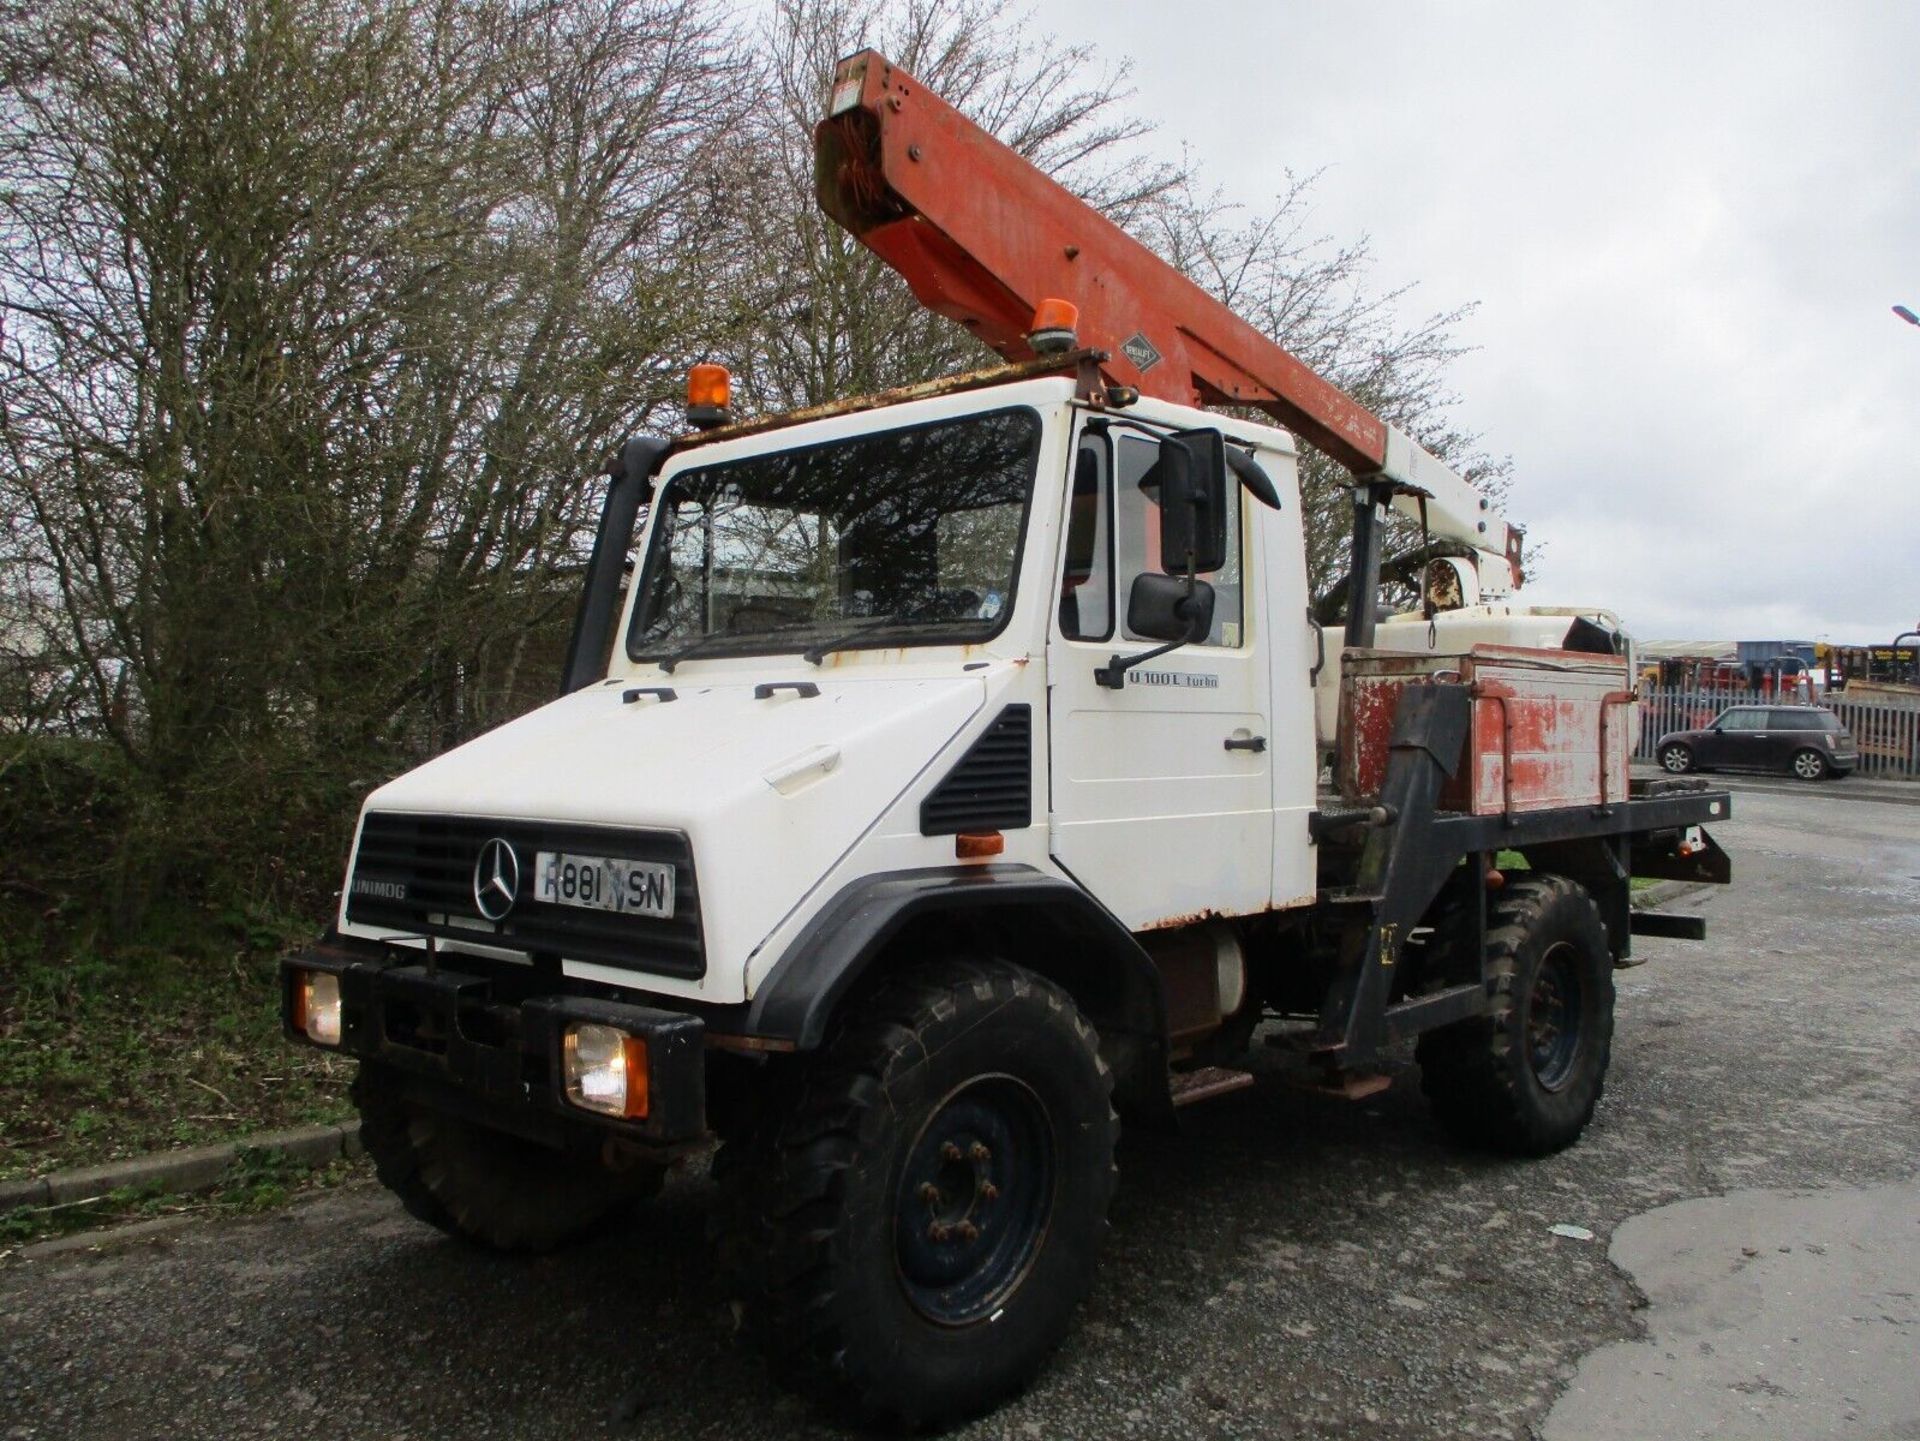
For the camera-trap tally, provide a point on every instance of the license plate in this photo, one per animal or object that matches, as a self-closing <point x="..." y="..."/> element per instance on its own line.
<point x="603" y="883"/>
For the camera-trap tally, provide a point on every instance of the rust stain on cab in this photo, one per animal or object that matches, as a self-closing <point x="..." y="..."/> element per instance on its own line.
<point x="1188" y="918"/>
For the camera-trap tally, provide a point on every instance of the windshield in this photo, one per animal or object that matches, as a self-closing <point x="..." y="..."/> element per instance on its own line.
<point x="902" y="537"/>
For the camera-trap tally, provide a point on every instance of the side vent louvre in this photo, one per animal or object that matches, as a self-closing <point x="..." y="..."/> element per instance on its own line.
<point x="991" y="789"/>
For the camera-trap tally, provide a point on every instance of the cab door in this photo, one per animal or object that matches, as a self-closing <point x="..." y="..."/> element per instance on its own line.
<point x="1161" y="801"/>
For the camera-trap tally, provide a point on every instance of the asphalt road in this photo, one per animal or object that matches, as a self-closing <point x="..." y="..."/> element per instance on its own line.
<point x="1286" y="1266"/>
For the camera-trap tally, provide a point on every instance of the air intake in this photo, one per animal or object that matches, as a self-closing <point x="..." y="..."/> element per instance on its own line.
<point x="991" y="789"/>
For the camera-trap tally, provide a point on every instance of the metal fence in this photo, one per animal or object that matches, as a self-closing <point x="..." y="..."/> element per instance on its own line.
<point x="1888" y="732"/>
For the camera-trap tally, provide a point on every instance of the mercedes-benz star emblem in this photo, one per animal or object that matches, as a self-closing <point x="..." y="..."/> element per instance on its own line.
<point x="496" y="879"/>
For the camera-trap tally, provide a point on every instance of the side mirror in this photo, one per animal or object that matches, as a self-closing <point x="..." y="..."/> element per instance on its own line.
<point x="1159" y="608"/>
<point x="1189" y="480"/>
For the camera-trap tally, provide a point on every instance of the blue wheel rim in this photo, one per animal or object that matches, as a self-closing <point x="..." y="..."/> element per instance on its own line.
<point x="1555" y="1009"/>
<point x="974" y="1201"/>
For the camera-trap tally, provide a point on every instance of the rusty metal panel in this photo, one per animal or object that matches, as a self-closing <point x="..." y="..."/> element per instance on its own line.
<point x="1551" y="728"/>
<point x="1370" y="686"/>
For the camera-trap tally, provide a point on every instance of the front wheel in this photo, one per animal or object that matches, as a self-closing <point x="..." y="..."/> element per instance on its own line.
<point x="911" y="1227"/>
<point x="485" y="1186"/>
<point x="1676" y="758"/>
<point x="1809" y="765"/>
<point x="1526" y="1077"/>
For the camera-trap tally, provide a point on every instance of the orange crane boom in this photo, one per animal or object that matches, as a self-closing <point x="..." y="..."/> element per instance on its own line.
<point x="983" y="236"/>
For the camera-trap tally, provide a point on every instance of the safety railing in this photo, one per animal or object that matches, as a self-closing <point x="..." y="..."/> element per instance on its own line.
<point x="1887" y="729"/>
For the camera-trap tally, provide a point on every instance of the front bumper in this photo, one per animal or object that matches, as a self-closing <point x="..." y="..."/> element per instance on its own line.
<point x="499" y="1061"/>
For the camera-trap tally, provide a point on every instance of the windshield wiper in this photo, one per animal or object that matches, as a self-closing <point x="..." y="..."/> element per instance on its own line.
<point x="694" y="647"/>
<point x="816" y="654"/>
<point x="700" y="643"/>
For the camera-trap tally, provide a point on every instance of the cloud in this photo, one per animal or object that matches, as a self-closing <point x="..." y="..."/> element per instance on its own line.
<point x="1685" y="226"/>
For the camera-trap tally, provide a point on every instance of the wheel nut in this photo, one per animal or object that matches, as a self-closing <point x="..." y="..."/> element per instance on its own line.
<point x="968" y="1231"/>
<point x="980" y="1154"/>
<point x="930" y="1193"/>
<point x="939" y="1231"/>
<point x="989" y="1191"/>
<point x="949" y="1151"/>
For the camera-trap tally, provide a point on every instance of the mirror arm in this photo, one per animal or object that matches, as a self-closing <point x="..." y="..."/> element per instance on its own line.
<point x="1113" y="675"/>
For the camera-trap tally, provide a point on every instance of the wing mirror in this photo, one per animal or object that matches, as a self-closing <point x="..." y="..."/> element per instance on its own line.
<point x="1160" y="607"/>
<point x="1188" y="479"/>
<point x="1176" y="610"/>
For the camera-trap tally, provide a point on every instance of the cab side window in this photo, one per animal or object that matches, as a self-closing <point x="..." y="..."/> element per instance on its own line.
<point x="1744" y="720"/>
<point x="1086" y="576"/>
<point x="1137" y="521"/>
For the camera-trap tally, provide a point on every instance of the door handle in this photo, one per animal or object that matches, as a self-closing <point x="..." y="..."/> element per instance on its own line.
<point x="1256" y="744"/>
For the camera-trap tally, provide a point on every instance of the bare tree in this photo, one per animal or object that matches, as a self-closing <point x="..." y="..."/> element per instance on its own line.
<point x="317" y="313"/>
<point x="832" y="319"/>
<point x="319" y="317"/>
<point x="1313" y="295"/>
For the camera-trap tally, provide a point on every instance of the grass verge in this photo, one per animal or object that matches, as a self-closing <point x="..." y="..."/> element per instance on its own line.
<point x="150" y="1048"/>
<point x="256" y="1181"/>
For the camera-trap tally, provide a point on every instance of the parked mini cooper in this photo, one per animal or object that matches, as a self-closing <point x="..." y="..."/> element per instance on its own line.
<point x="1803" y="740"/>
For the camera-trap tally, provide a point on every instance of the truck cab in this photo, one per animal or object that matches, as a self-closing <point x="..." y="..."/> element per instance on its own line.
<point x="869" y="646"/>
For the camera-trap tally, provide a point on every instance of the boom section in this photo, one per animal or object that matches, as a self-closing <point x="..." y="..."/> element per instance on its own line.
<point x="982" y="235"/>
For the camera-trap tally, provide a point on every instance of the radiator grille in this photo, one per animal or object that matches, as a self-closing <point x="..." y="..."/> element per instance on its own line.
<point x="991" y="789"/>
<point x="415" y="874"/>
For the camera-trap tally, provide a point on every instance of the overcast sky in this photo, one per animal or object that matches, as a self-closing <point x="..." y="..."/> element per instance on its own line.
<point x="1685" y="226"/>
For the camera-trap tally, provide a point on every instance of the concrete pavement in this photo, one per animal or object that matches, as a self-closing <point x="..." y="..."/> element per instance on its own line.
<point x="1770" y="1314"/>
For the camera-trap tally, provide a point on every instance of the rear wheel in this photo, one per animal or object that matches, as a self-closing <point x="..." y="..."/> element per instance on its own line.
<point x="1809" y="765"/>
<point x="486" y="1186"/>
<point x="1525" y="1078"/>
<point x="1676" y="758"/>
<point x="911" y="1227"/>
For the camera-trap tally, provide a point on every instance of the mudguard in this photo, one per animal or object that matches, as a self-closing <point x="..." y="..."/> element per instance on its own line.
<point x="1047" y="924"/>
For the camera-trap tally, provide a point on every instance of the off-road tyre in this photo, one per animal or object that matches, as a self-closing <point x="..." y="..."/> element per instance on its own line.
<point x="1676" y="759"/>
<point x="1512" y="1081"/>
<point x="485" y="1186"/>
<point x="825" y="1224"/>
<point x="1810" y="765"/>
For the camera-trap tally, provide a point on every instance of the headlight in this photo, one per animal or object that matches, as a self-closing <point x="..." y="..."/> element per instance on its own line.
<point x="318" y="1013"/>
<point x="605" y="1070"/>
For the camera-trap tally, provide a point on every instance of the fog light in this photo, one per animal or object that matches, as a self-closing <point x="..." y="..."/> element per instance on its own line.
<point x="319" y="1001"/>
<point x="605" y="1070"/>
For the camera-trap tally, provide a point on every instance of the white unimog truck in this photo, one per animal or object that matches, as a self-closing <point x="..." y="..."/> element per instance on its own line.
<point x="949" y="783"/>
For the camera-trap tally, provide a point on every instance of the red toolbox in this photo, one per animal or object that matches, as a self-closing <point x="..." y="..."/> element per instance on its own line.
<point x="1551" y="728"/>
